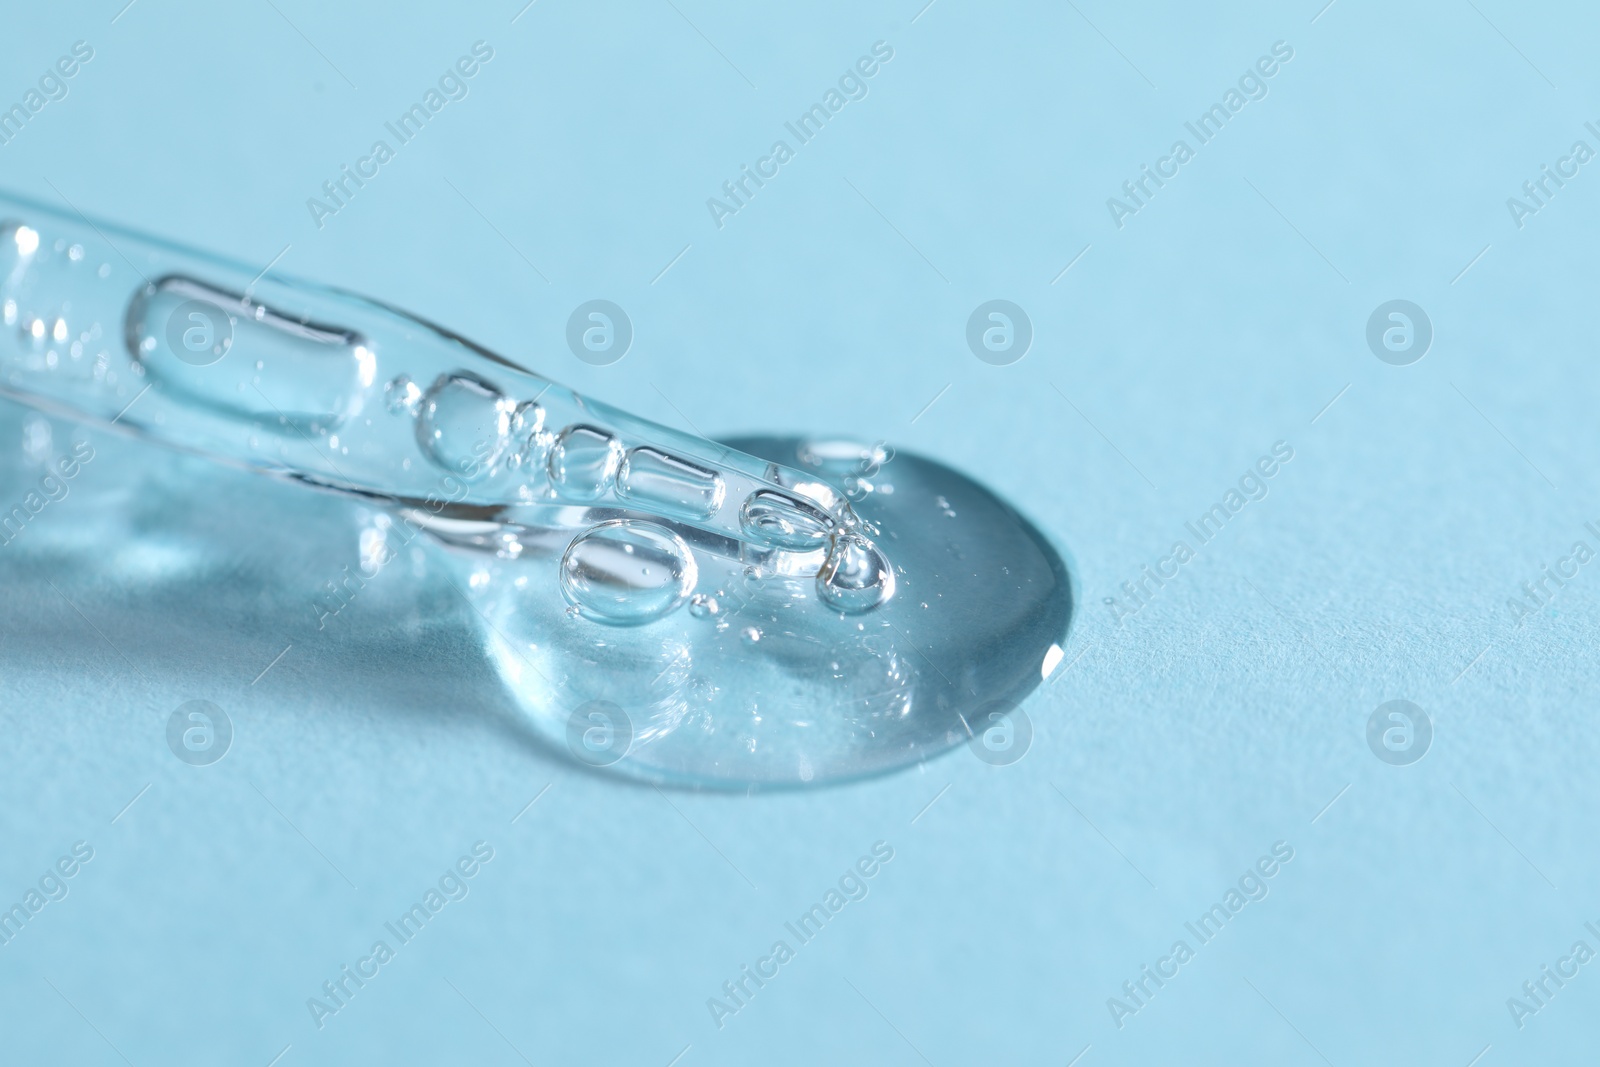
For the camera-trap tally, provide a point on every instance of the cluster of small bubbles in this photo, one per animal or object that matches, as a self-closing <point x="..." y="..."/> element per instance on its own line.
<point x="702" y="606"/>
<point x="528" y="418"/>
<point x="944" y="505"/>
<point x="373" y="544"/>
<point x="750" y="635"/>
<point x="835" y="453"/>
<point x="75" y="253"/>
<point x="400" y="395"/>
<point x="509" y="547"/>
<point x="857" y="465"/>
<point x="531" y="443"/>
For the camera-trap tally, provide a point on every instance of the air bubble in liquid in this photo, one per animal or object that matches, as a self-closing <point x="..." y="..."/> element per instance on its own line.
<point x="840" y="454"/>
<point x="37" y="438"/>
<point x="530" y="444"/>
<point x="855" y="577"/>
<point x="313" y="376"/>
<point x="24" y="239"/>
<point x="626" y="572"/>
<point x="464" y="424"/>
<point x="528" y="419"/>
<point x="785" y="521"/>
<point x="583" y="463"/>
<point x="661" y="482"/>
<point x="400" y="396"/>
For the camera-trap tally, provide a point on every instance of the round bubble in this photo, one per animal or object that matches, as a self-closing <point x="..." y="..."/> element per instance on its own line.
<point x="627" y="572"/>
<point x="464" y="424"/>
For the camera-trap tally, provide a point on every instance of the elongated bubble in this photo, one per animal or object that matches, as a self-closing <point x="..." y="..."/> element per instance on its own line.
<point x="218" y="348"/>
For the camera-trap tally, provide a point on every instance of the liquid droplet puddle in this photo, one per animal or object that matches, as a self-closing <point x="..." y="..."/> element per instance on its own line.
<point x="761" y="679"/>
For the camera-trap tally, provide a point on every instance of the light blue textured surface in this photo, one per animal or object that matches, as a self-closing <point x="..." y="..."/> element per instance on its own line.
<point x="1174" y="748"/>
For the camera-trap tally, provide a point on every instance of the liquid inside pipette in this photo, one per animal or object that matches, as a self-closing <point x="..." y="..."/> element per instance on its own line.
<point x="617" y="522"/>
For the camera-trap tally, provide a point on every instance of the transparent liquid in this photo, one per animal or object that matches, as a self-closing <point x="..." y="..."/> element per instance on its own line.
<point x="761" y="681"/>
<point x="765" y="611"/>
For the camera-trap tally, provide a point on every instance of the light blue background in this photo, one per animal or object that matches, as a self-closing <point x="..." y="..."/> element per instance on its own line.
<point x="1175" y="748"/>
